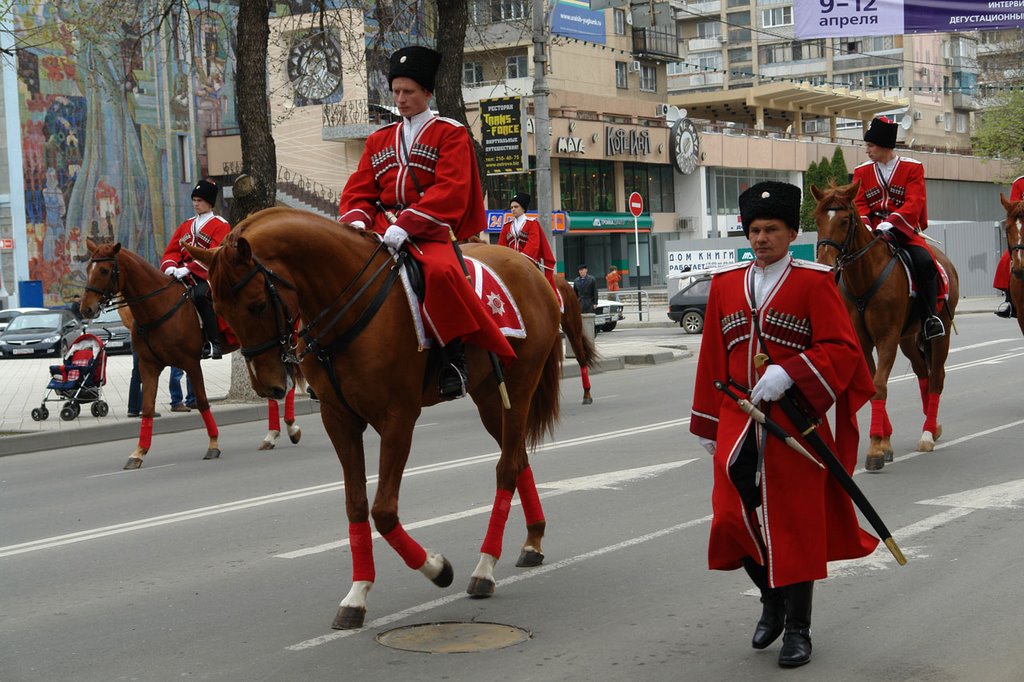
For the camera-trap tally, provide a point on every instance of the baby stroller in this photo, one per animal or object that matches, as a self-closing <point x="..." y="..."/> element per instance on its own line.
<point x="79" y="380"/>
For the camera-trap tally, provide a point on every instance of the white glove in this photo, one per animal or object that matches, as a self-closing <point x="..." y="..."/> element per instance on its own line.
<point x="883" y="227"/>
<point x="772" y="385"/>
<point x="181" y="273"/>
<point x="395" y="236"/>
<point x="358" y="224"/>
<point x="708" y="445"/>
<point x="169" y="270"/>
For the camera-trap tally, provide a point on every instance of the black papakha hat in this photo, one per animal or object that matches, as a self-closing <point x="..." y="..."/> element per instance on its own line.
<point x="770" y="199"/>
<point x="521" y="198"/>
<point x="416" y="62"/>
<point x="205" y="190"/>
<point x="881" y="132"/>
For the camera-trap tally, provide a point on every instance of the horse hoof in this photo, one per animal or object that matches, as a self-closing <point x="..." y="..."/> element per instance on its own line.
<point x="212" y="453"/>
<point x="480" y="588"/>
<point x="874" y="463"/>
<point x="938" y="431"/>
<point x="349" y="618"/>
<point x="446" y="576"/>
<point x="588" y="401"/>
<point x="266" y="445"/>
<point x="529" y="558"/>
<point x="888" y="456"/>
<point x="133" y="463"/>
<point x="295" y="437"/>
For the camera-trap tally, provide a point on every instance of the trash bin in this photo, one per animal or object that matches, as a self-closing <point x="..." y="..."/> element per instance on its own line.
<point x="30" y="293"/>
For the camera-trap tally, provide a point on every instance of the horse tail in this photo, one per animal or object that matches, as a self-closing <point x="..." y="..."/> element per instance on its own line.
<point x="572" y="324"/>
<point x="545" y="403"/>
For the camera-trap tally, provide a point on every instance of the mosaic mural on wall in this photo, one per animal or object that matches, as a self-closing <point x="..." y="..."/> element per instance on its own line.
<point x="103" y="112"/>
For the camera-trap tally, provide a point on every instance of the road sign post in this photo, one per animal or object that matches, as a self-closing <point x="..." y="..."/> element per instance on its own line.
<point x="636" y="207"/>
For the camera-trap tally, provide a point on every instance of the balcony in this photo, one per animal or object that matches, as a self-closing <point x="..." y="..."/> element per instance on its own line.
<point x="965" y="100"/>
<point x="696" y="80"/>
<point x="713" y="7"/>
<point x="650" y="43"/>
<point x="703" y="44"/>
<point x="355" y="119"/>
<point x="512" y="87"/>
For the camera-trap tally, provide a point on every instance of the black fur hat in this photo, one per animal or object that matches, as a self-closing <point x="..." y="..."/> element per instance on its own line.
<point x="771" y="200"/>
<point x="415" y="62"/>
<point x="523" y="199"/>
<point x="205" y="190"/>
<point x="881" y="132"/>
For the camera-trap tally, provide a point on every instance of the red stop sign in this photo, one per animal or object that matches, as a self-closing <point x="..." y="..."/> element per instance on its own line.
<point x="636" y="204"/>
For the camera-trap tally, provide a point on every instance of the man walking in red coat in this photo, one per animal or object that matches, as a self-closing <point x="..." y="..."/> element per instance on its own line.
<point x="1001" y="280"/>
<point x="206" y="230"/>
<point x="892" y="199"/>
<point x="417" y="182"/>
<point x="526" y="236"/>
<point x="776" y="514"/>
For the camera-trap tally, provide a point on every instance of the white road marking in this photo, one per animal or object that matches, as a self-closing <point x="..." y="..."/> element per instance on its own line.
<point x="981" y="345"/>
<point x="190" y="514"/>
<point x="125" y="471"/>
<point x="520" y="577"/>
<point x="999" y="496"/>
<point x="610" y="480"/>
<point x="995" y="359"/>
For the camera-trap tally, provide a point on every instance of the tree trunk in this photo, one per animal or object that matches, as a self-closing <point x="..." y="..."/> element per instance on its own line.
<point x="452" y="18"/>
<point x="257" y="188"/>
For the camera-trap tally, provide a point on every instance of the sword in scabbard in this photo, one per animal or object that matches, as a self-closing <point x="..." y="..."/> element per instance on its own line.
<point x="808" y="430"/>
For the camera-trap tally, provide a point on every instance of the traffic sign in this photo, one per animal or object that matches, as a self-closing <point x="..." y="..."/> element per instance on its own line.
<point x="7" y="244"/>
<point x="636" y="204"/>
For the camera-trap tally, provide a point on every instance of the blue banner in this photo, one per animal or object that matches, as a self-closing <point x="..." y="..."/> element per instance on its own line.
<point x="575" y="19"/>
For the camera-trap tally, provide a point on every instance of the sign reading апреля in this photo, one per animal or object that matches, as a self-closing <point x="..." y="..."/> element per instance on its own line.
<point x="840" y="18"/>
<point x="501" y="126"/>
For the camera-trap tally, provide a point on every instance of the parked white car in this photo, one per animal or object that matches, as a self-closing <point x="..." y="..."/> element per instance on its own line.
<point x="607" y="314"/>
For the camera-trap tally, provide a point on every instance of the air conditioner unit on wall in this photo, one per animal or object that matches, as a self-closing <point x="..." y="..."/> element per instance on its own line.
<point x="722" y="38"/>
<point x="939" y="118"/>
<point x="687" y="224"/>
<point x="662" y="111"/>
<point x="635" y="66"/>
<point x="918" y="115"/>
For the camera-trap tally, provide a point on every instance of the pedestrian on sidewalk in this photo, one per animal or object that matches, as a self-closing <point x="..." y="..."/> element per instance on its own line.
<point x="586" y="289"/>
<point x="777" y="515"/>
<point x="174" y="385"/>
<point x="135" y="381"/>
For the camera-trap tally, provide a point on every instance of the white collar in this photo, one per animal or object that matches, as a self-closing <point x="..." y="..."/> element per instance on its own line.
<point x="766" y="278"/>
<point x="518" y="223"/>
<point x="201" y="218"/>
<point x="412" y="126"/>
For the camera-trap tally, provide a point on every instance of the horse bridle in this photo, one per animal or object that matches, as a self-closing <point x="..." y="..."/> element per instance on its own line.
<point x="845" y="257"/>
<point x="284" y="322"/>
<point x="108" y="293"/>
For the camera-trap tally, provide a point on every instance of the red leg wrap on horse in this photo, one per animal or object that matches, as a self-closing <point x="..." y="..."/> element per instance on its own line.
<point x="360" y="541"/>
<point x="274" y="415"/>
<point x="585" y="376"/>
<point x="527" y="489"/>
<point x="922" y="384"/>
<point x="496" y="526"/>
<point x="146" y="433"/>
<point x="931" y="416"/>
<point x="211" y="425"/>
<point x="289" y="406"/>
<point x="878" y="418"/>
<point x="412" y="554"/>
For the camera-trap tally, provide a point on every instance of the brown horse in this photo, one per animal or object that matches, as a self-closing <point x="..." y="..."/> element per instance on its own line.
<point x="572" y="325"/>
<point x="166" y="332"/>
<point x="359" y="352"/>
<point x="1014" y="226"/>
<point x="877" y="295"/>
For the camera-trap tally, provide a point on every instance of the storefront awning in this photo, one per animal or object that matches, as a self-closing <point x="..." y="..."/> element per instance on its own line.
<point x="608" y="222"/>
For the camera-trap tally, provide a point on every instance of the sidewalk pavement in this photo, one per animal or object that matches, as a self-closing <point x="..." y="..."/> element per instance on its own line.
<point x="24" y="383"/>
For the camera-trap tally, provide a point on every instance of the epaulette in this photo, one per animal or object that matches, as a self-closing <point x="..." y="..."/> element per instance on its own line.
<point x="811" y="265"/>
<point x="866" y="163"/>
<point x="907" y="158"/>
<point x="738" y="265"/>
<point x="452" y="121"/>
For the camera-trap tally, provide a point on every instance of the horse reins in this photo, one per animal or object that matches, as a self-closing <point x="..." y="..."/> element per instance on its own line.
<point x="845" y="258"/>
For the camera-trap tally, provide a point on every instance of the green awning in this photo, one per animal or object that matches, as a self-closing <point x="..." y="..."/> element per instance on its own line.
<point x="608" y="222"/>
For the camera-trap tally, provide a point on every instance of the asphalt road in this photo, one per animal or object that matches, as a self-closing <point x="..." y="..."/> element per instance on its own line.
<point x="233" y="569"/>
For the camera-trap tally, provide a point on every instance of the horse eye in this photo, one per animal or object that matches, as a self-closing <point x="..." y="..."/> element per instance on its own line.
<point x="258" y="308"/>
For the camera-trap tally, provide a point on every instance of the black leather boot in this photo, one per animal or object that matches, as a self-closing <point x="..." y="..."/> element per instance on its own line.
<point x="796" y="643"/>
<point x="773" y="611"/>
<point x="454" y="377"/>
<point x="932" y="326"/>
<point x="211" y="350"/>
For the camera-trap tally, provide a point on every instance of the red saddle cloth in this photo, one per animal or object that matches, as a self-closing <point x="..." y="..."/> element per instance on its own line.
<point x="496" y="298"/>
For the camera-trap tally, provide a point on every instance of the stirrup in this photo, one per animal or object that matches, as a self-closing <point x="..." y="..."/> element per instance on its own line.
<point x="932" y="328"/>
<point x="211" y="351"/>
<point x="453" y="381"/>
<point x="1005" y="309"/>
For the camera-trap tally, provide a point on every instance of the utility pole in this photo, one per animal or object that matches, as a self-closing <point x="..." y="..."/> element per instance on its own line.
<point x="541" y="119"/>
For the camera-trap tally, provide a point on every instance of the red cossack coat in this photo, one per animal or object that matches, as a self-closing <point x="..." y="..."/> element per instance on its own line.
<point x="531" y="241"/>
<point x="806" y="518"/>
<point x="444" y="163"/>
<point x="207" y="230"/>
<point x="903" y="202"/>
<point x="1002" y="278"/>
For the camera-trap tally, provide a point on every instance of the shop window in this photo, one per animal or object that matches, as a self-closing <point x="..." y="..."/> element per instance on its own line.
<point x="655" y="184"/>
<point x="587" y="185"/>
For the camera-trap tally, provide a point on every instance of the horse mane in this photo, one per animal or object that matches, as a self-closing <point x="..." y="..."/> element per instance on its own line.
<point x="301" y="226"/>
<point x="830" y="193"/>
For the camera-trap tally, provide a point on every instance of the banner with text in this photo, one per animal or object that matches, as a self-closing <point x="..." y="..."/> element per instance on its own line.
<point x="503" y="133"/>
<point x="840" y="18"/>
<point x="575" y="19"/>
<point x="682" y="263"/>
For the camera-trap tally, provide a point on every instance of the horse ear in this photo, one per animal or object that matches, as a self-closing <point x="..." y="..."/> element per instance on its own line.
<point x="854" y="188"/>
<point x="117" y="247"/>
<point x="816" y="193"/>
<point x="91" y="245"/>
<point x="204" y="256"/>
<point x="244" y="250"/>
<point x="1007" y="205"/>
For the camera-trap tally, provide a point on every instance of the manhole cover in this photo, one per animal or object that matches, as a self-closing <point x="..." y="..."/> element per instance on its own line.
<point x="453" y="637"/>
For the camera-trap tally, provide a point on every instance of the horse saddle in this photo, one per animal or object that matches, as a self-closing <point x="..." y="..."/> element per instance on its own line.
<point x="942" y="290"/>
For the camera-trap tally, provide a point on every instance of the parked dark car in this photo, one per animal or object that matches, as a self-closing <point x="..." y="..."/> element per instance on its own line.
<point x="9" y="314"/>
<point x="108" y="328"/>
<point x="689" y="305"/>
<point x="47" y="332"/>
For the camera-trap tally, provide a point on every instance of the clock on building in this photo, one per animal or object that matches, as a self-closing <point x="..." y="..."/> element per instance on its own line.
<point x="684" y="151"/>
<point x="314" y="68"/>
